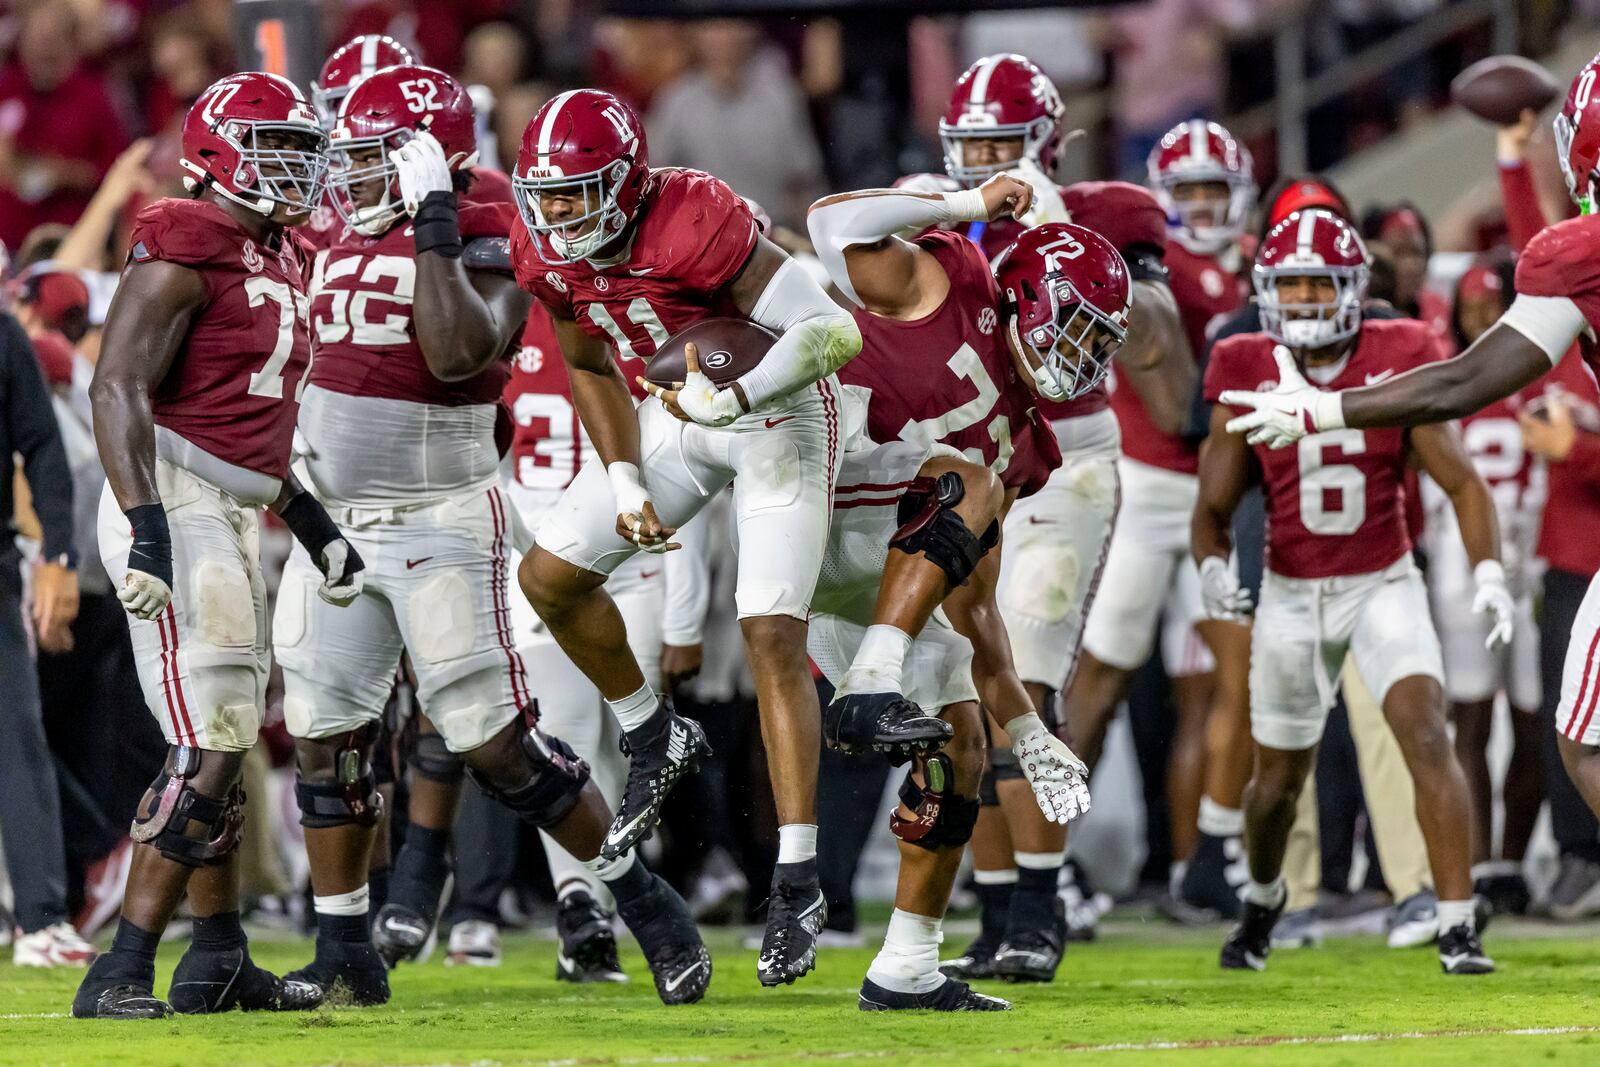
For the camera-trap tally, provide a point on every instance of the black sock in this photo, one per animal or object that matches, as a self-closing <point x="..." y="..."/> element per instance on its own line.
<point x="350" y="929"/>
<point x="632" y="884"/>
<point x="647" y="733"/>
<point x="417" y="877"/>
<point x="994" y="908"/>
<point x="132" y="956"/>
<point x="219" y="932"/>
<point x="427" y="842"/>
<point x="378" y="890"/>
<point x="1033" y="902"/>
<point x="800" y="872"/>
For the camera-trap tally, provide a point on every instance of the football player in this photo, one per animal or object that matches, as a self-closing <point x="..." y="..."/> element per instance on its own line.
<point x="1005" y="114"/>
<point x="204" y="354"/>
<point x="415" y="309"/>
<point x="1340" y="579"/>
<point x="1557" y="305"/>
<point x="625" y="256"/>
<point x="917" y="513"/>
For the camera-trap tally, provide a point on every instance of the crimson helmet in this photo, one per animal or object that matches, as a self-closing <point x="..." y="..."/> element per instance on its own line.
<point x="1320" y="244"/>
<point x="352" y="63"/>
<point x="1003" y="95"/>
<point x="381" y="114"/>
<point x="1065" y="293"/>
<point x="588" y="145"/>
<point x="1194" y="152"/>
<point x="222" y="145"/>
<point x="1578" y="138"/>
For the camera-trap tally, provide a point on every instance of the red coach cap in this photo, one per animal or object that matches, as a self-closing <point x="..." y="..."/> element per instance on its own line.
<point x="1306" y="194"/>
<point x="61" y="301"/>
<point x="54" y="353"/>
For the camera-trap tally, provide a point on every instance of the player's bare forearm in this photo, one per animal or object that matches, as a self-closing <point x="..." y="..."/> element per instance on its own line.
<point x="465" y="319"/>
<point x="1441" y="454"/>
<point x="1495" y="366"/>
<point x="975" y="615"/>
<point x="1224" y="476"/>
<point x="1156" y="358"/>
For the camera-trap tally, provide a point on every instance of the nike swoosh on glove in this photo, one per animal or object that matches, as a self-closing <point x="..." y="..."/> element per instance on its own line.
<point x="1494" y="598"/>
<point x="702" y="401"/>
<point x="1287" y="413"/>
<point x="1220" y="592"/>
<point x="343" y="573"/>
<point x="1059" y="778"/>
<point x="422" y="169"/>
<point x="144" y="596"/>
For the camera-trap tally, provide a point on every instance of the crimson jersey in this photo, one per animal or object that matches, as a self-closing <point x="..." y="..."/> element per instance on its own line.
<point x="948" y="376"/>
<point x="1493" y="438"/>
<point x="366" y="344"/>
<point x="1560" y="261"/>
<point x="489" y="186"/>
<point x="1336" y="503"/>
<point x="234" y="385"/>
<point x="547" y="443"/>
<point x="692" y="237"/>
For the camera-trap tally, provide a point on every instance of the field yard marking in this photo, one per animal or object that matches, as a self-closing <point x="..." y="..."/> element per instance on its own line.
<point x="19" y="1015"/>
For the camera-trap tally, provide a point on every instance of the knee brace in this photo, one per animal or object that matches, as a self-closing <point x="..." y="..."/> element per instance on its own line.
<point x="930" y="525"/>
<point x="432" y="759"/>
<point x="175" y="808"/>
<point x="556" y="777"/>
<point x="348" y="793"/>
<point x="939" y="818"/>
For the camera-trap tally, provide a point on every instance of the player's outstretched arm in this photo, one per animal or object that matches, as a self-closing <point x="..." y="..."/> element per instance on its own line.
<point x="1156" y="357"/>
<point x="1224" y="476"/>
<point x="145" y="326"/>
<point x="1440" y="453"/>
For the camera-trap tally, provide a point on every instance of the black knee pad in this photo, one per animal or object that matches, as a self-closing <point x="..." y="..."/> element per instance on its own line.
<point x="930" y="525"/>
<point x="348" y="793"/>
<point x="432" y="759"/>
<point x="939" y="817"/>
<point x="556" y="777"/>
<point x="175" y="806"/>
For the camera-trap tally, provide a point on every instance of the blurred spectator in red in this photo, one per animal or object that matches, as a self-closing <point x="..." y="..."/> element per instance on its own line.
<point x="182" y="63"/>
<point x="1402" y="234"/>
<point x="739" y="115"/>
<point x="58" y="129"/>
<point x="496" y="58"/>
<point x="434" y="29"/>
<point x="636" y="58"/>
<point x="53" y="302"/>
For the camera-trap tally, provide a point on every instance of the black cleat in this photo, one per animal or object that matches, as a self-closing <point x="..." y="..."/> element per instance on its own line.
<point x="401" y="933"/>
<point x="1206" y="889"/>
<point x="588" y="951"/>
<point x="976" y="963"/>
<point x="1460" y="952"/>
<point x="1250" y="942"/>
<point x="209" y="981"/>
<point x="795" y="916"/>
<point x="652" y="772"/>
<point x="660" y="921"/>
<point x="110" y="996"/>
<point x="1030" y="956"/>
<point x="1507" y="893"/>
<point x="951" y="995"/>
<point x="883" y="722"/>
<point x="350" y="974"/>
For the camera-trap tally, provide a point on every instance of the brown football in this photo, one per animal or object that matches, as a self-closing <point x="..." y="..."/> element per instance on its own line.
<point x="727" y="348"/>
<point x="1499" y="88"/>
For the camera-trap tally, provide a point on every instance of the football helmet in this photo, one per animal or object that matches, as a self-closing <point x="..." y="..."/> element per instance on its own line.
<point x="1065" y="294"/>
<point x="1578" y="137"/>
<point x="1314" y="243"/>
<point x="351" y="64"/>
<point x="381" y="114"/>
<point x="1197" y="152"/>
<point x="1003" y="95"/>
<point x="588" y="145"/>
<point x="223" y="143"/>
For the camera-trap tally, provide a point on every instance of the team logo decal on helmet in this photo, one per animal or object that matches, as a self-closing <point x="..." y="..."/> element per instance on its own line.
<point x="254" y="139"/>
<point x="1577" y="129"/>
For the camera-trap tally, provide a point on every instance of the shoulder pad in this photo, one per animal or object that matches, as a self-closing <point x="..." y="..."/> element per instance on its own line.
<point x="488" y="253"/>
<point x="1125" y="214"/>
<point x="188" y="232"/>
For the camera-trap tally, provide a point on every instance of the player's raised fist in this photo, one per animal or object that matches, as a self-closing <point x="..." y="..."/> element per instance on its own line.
<point x="1006" y="195"/>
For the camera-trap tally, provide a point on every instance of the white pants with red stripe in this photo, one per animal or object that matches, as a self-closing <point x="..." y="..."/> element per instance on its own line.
<point x="203" y="662"/>
<point x="437" y="585"/>
<point x="782" y="460"/>
<point x="1577" y="716"/>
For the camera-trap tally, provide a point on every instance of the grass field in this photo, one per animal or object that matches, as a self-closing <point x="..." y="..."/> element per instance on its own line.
<point x="1145" y="993"/>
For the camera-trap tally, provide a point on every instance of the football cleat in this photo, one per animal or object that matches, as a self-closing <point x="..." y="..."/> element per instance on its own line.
<point x="349" y="974"/>
<point x="652" y="773"/>
<point x="209" y="981"/>
<point x="1298" y="929"/>
<point x="660" y="921"/>
<point x="795" y="917"/>
<point x="588" y="951"/>
<point x="1506" y="891"/>
<point x="1460" y="952"/>
<point x="950" y="995"/>
<point x="406" y="930"/>
<point x="1030" y="955"/>
<point x="883" y="722"/>
<point x="1250" y="943"/>
<point x="474" y="943"/>
<point x="977" y="962"/>
<point x="123" y="1000"/>
<point x="1210" y="884"/>
<point x="1415" y="920"/>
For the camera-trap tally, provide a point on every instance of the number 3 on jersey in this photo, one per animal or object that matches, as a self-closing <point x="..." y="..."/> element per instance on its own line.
<point x="1333" y="496"/>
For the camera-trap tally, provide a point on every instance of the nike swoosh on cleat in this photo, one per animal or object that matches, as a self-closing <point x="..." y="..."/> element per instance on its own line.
<point x="673" y="984"/>
<point x="619" y="835"/>
<point x="814" y="906"/>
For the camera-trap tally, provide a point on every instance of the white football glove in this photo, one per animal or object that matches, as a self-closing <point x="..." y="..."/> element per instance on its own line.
<point x="144" y="596"/>
<point x="1287" y="413"/>
<point x="422" y="169"/>
<point x="702" y="401"/>
<point x="1494" y="598"/>
<point x="340" y="585"/>
<point x="1059" y="778"/>
<point x="1220" y="592"/>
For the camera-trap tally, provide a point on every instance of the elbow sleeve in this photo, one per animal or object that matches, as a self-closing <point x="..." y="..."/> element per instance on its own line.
<point x="816" y="336"/>
<point x="1551" y="322"/>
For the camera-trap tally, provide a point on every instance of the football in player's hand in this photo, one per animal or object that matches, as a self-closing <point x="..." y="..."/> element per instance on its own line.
<point x="1498" y="89"/>
<point x="728" y="348"/>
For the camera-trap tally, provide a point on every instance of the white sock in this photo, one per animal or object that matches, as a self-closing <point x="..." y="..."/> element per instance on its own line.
<point x="1269" y="895"/>
<point x="878" y="662"/>
<point x="351" y="903"/>
<point x="1008" y="876"/>
<point x="909" y="959"/>
<point x="796" y="842"/>
<point x="610" y="870"/>
<point x="1454" y="913"/>
<point x="1219" y="821"/>
<point x="1040" y="861"/>
<point x="635" y="709"/>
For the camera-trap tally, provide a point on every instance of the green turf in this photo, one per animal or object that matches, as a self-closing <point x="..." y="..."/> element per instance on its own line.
<point x="1140" y="984"/>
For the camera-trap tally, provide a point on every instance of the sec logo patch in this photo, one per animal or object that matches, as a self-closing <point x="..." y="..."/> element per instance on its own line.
<point x="717" y="360"/>
<point x="557" y="282"/>
<point x="987" y="318"/>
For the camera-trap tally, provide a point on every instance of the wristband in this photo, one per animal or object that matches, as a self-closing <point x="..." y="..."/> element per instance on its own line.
<point x="437" y="225"/>
<point x="1327" y="412"/>
<point x="1024" y="726"/>
<point x="626" y="487"/>
<point x="1489" y="572"/>
<point x="966" y="206"/>
<point x="310" y="524"/>
<point x="151" y="551"/>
